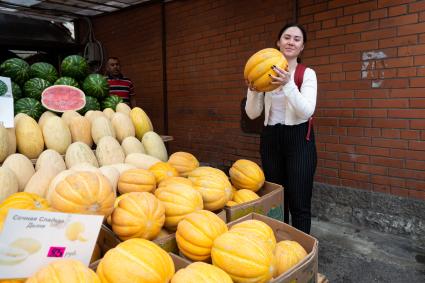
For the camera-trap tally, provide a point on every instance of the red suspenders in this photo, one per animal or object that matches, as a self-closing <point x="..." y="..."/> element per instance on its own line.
<point x="298" y="78"/>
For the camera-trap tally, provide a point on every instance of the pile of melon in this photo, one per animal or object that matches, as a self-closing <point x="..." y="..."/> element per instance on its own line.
<point x="112" y="163"/>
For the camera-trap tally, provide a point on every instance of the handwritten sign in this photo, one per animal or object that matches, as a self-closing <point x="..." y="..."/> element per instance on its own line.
<point x="6" y="103"/>
<point x="32" y="239"/>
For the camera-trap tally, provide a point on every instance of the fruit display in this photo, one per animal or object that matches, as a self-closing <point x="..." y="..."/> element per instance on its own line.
<point x="68" y="86"/>
<point x="112" y="163"/>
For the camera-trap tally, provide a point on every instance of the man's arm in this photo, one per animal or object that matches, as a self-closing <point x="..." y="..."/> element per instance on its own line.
<point x="131" y="96"/>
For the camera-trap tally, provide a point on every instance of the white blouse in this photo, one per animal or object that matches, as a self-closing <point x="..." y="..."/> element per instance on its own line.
<point x="298" y="106"/>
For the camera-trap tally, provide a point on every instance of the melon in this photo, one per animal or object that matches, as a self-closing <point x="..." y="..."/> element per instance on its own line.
<point x="8" y="183"/>
<point x="60" y="98"/>
<point x="21" y="166"/>
<point x="258" y="69"/>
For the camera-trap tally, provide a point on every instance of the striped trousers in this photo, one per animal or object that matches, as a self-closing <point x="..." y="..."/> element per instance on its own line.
<point x="290" y="160"/>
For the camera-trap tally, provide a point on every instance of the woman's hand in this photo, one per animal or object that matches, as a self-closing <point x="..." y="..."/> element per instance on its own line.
<point x="251" y="86"/>
<point x="282" y="76"/>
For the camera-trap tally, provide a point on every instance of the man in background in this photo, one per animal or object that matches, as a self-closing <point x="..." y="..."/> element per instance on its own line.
<point x="118" y="84"/>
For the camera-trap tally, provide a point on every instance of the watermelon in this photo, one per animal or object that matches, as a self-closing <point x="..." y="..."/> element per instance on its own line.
<point x="91" y="104"/>
<point x="34" y="87"/>
<point x="67" y="81"/>
<point x="111" y="102"/>
<point x="16" y="91"/>
<point x="96" y="85"/>
<point x="60" y="98"/>
<point x="29" y="106"/>
<point x="44" y="71"/>
<point x="3" y="88"/>
<point x="16" y="69"/>
<point x="74" y="66"/>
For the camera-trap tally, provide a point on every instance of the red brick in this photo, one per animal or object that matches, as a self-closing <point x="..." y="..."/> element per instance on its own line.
<point x="415" y="165"/>
<point x="358" y="8"/>
<point x="350" y="175"/>
<point x="390" y="143"/>
<point x="418" y="49"/>
<point x="373" y="132"/>
<point x="397" y="10"/>
<point x="417" y="124"/>
<point x="391" y="133"/>
<point x="398" y="21"/>
<point x="415" y="185"/>
<point x="379" y="34"/>
<point x="407" y="174"/>
<point x="329" y="23"/>
<point x="332" y="32"/>
<point x="341" y="3"/>
<point x="378" y="14"/>
<point x="398" y="41"/>
<point x="412" y="92"/>
<point x="390" y="103"/>
<point x="372" y="113"/>
<point x="417" y="103"/>
<point x="362" y="27"/>
<point x="406" y="72"/>
<point x="363" y="17"/>
<point x="417" y="145"/>
<point x="389" y="3"/>
<point x="355" y="140"/>
<point x="346" y="20"/>
<point x="358" y="122"/>
<point x="358" y="103"/>
<point x="371" y="169"/>
<point x="328" y="14"/>
<point x="386" y="180"/>
<point x="344" y="39"/>
<point x="373" y="151"/>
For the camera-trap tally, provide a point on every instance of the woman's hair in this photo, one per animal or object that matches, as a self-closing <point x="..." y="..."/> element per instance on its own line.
<point x="293" y="25"/>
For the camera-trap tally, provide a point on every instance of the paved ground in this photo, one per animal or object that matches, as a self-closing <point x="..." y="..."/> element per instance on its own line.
<point x="351" y="254"/>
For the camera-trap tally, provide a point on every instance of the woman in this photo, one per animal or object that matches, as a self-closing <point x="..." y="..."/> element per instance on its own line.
<point x="287" y="145"/>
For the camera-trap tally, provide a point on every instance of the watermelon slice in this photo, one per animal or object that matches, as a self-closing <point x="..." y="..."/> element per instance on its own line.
<point x="60" y="98"/>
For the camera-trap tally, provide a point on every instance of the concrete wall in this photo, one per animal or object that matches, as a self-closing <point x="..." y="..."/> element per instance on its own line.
<point x="369" y="57"/>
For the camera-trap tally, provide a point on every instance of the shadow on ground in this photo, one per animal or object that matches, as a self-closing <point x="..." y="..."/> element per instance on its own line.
<point x="352" y="254"/>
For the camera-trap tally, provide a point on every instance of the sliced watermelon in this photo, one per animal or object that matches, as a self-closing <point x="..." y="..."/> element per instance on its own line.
<point x="60" y="98"/>
<point x="17" y="69"/>
<point x="29" y="106"/>
<point x="44" y="70"/>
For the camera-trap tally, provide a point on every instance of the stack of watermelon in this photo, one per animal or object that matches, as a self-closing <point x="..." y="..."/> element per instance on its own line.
<point x="29" y="82"/>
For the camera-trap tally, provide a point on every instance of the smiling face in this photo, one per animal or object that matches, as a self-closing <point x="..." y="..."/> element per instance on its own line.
<point x="291" y="42"/>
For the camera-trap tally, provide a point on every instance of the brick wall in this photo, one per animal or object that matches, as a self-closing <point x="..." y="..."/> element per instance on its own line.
<point x="369" y="57"/>
<point x="134" y="36"/>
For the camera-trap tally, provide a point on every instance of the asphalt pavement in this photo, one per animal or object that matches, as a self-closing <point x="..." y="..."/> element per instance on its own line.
<point x="349" y="253"/>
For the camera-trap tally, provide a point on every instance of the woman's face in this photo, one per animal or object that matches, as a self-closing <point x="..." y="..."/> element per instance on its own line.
<point x="291" y="43"/>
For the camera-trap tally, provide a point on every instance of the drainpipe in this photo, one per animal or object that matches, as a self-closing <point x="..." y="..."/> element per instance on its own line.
<point x="295" y="11"/>
<point x="164" y="66"/>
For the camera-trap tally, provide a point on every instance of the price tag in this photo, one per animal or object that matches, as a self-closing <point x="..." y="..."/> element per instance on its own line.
<point x="32" y="239"/>
<point x="6" y="103"/>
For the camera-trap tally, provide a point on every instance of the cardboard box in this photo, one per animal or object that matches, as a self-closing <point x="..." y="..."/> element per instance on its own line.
<point x="270" y="203"/>
<point x="304" y="271"/>
<point x="169" y="244"/>
<point x="106" y="241"/>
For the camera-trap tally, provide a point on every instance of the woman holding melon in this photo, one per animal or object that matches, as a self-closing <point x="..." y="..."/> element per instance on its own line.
<point x="286" y="90"/>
